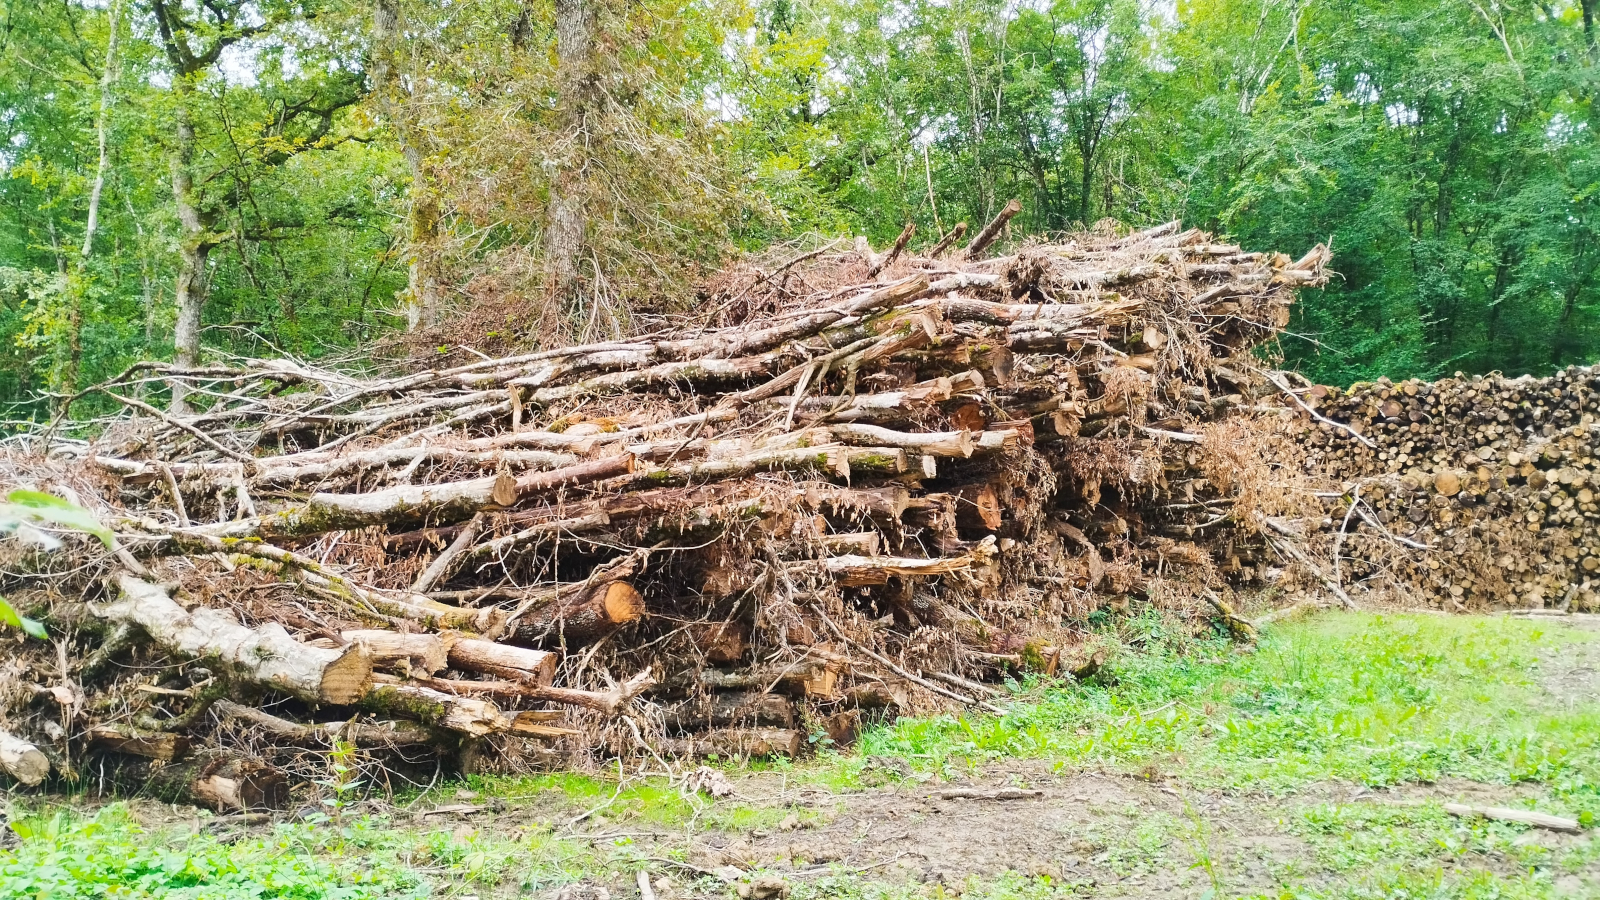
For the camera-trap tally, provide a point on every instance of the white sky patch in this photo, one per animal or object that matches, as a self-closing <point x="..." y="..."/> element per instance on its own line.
<point x="1563" y="129"/>
<point x="1401" y="115"/>
<point x="1364" y="91"/>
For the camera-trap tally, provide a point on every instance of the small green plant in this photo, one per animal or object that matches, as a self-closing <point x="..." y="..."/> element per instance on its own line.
<point x="23" y="509"/>
<point x="21" y="512"/>
<point x="344" y="779"/>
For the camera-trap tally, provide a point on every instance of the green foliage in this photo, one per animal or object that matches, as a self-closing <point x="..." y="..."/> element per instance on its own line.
<point x="31" y="627"/>
<point x="1446" y="150"/>
<point x="24" y="508"/>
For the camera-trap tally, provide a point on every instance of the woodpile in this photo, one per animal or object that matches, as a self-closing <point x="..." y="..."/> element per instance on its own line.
<point x="866" y="483"/>
<point x="1466" y="493"/>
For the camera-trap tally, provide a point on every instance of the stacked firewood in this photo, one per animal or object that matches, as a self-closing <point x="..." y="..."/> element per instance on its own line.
<point x="1466" y="492"/>
<point x="866" y="483"/>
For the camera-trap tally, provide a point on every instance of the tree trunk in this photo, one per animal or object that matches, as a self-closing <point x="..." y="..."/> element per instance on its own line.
<point x="566" y="222"/>
<point x="102" y="129"/>
<point x="194" y="244"/>
<point x="423" y="293"/>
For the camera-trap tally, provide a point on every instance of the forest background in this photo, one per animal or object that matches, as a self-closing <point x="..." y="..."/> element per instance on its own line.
<point x="198" y="179"/>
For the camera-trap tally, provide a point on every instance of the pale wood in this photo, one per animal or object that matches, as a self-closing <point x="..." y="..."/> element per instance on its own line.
<point x="22" y="760"/>
<point x="1519" y="816"/>
<point x="958" y="444"/>
<point x="865" y="543"/>
<point x="472" y="655"/>
<point x="855" y="570"/>
<point x="427" y="652"/>
<point x="325" y="512"/>
<point x="266" y="655"/>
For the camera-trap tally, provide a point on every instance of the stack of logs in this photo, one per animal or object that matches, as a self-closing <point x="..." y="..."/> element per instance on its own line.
<point x="899" y="480"/>
<point x="1473" y="491"/>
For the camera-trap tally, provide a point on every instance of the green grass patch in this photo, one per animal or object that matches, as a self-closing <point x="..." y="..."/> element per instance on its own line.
<point x="1379" y="700"/>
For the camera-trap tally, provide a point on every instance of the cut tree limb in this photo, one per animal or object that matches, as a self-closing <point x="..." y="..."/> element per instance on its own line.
<point x="362" y="734"/>
<point x="471" y="655"/>
<point x="879" y="263"/>
<point x="470" y="716"/>
<point x="22" y="760"/>
<point x="991" y="231"/>
<point x="425" y="652"/>
<point x="582" y="619"/>
<point x="412" y="503"/>
<point x="264" y="655"/>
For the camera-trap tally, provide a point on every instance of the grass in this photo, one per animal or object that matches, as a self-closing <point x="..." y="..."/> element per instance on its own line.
<point x="1371" y="699"/>
<point x="1379" y="701"/>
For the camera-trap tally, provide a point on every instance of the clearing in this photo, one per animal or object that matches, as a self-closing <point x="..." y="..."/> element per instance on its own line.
<point x="1315" y="766"/>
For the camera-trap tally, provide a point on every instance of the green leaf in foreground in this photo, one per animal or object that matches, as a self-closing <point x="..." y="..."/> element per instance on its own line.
<point x="10" y="616"/>
<point x="37" y="506"/>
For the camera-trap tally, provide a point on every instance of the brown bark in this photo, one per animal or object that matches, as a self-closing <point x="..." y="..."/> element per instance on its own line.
<point x="581" y="620"/>
<point x="217" y="779"/>
<point x="992" y="230"/>
<point x="948" y="240"/>
<point x="978" y="507"/>
<point x="161" y="746"/>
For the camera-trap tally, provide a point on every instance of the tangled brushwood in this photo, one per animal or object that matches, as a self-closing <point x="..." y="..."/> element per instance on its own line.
<point x="871" y="483"/>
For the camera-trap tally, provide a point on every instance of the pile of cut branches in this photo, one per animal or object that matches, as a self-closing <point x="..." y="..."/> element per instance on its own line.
<point x="872" y="483"/>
